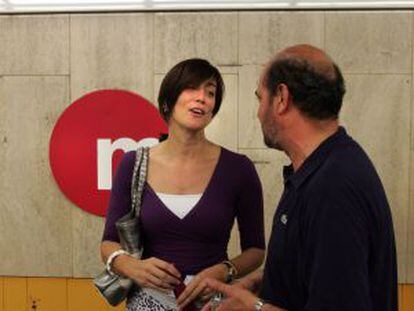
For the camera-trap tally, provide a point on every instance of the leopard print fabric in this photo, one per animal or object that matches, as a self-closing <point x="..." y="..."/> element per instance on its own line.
<point x="142" y="301"/>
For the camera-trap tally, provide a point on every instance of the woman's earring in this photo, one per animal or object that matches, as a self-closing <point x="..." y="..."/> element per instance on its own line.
<point x="165" y="108"/>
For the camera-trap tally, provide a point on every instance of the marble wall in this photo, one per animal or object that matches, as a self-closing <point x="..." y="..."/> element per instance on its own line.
<point x="48" y="61"/>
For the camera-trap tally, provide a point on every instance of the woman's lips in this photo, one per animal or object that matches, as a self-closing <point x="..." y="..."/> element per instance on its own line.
<point x="197" y="111"/>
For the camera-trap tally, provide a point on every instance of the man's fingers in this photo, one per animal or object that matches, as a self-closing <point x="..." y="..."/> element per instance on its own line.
<point x="207" y="307"/>
<point x="219" y="287"/>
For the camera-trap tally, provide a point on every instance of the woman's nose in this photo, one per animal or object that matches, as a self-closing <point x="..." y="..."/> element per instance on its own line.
<point x="201" y="96"/>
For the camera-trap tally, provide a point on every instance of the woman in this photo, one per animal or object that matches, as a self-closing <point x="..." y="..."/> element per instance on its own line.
<point x="194" y="191"/>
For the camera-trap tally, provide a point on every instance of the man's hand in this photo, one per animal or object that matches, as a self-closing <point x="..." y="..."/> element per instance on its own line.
<point x="237" y="298"/>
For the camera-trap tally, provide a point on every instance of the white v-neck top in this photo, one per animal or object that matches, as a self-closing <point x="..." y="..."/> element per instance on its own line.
<point x="179" y="204"/>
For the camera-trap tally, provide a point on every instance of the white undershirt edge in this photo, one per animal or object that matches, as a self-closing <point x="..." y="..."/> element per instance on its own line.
<point x="179" y="204"/>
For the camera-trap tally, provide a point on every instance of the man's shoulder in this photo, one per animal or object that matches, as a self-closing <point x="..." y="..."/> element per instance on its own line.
<point x="346" y="179"/>
<point x="347" y="161"/>
<point x="347" y="169"/>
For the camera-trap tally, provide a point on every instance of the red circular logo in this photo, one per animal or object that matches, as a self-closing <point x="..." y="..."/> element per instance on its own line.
<point x="90" y="138"/>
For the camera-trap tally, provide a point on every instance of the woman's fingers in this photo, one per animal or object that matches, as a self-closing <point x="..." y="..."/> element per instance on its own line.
<point x="191" y="292"/>
<point x="164" y="276"/>
<point x="167" y="267"/>
<point x="155" y="273"/>
<point x="154" y="282"/>
<point x="207" y="294"/>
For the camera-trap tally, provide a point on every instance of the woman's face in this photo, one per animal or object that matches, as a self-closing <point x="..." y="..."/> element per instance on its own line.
<point x="194" y="106"/>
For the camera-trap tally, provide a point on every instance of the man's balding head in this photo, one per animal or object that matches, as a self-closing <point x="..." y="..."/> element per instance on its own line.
<point x="314" y="81"/>
<point x="316" y="58"/>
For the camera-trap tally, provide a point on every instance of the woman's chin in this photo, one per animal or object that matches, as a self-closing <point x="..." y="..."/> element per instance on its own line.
<point x="195" y="126"/>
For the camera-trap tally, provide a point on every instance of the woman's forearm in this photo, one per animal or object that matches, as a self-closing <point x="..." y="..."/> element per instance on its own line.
<point x="107" y="248"/>
<point x="120" y="264"/>
<point x="249" y="260"/>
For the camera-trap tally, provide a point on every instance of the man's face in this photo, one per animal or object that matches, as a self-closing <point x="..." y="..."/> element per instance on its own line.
<point x="266" y="116"/>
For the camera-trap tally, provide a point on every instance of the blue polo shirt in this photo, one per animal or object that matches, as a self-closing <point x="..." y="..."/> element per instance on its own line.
<point x="332" y="245"/>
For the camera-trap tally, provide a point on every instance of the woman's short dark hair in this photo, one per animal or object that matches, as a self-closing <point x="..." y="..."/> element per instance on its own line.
<point x="190" y="73"/>
<point x="314" y="94"/>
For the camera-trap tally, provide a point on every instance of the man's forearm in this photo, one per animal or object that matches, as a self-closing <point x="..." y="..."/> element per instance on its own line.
<point x="269" y="307"/>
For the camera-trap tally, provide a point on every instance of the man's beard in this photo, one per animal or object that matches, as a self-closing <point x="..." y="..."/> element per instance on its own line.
<point x="270" y="136"/>
<point x="271" y="142"/>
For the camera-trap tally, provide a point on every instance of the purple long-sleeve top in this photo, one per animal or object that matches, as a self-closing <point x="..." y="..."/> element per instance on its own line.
<point x="200" y="239"/>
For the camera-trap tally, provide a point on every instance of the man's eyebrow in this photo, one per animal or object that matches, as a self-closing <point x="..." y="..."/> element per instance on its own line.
<point x="257" y="94"/>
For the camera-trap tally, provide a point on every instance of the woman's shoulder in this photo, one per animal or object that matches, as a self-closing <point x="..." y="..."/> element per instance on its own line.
<point x="127" y="161"/>
<point x="129" y="156"/>
<point x="239" y="167"/>
<point x="235" y="158"/>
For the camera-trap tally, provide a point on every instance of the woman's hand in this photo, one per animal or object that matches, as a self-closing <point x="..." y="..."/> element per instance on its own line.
<point x="151" y="272"/>
<point x="198" y="285"/>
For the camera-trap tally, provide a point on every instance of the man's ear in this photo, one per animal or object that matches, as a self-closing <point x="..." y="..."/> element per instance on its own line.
<point x="281" y="101"/>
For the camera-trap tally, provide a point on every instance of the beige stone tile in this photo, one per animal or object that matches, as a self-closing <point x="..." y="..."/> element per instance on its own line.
<point x="370" y="42"/>
<point x="250" y="131"/>
<point x="269" y="164"/>
<point x="183" y="35"/>
<point x="87" y="234"/>
<point x="35" y="216"/>
<point x="223" y="128"/>
<point x="376" y="113"/>
<point x="229" y="69"/>
<point x="112" y="51"/>
<point x="34" y="44"/>
<point x="157" y="84"/>
<point x="233" y="248"/>
<point x="262" y="34"/>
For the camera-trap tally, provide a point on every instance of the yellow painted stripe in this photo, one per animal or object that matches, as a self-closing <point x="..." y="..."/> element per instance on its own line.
<point x="47" y="294"/>
<point x="66" y="294"/>
<point x="82" y="296"/>
<point x="14" y="294"/>
<point x="121" y="307"/>
<point x="408" y="297"/>
<point x="1" y="294"/>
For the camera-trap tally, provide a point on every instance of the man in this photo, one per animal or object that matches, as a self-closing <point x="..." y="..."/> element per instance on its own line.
<point x="332" y="245"/>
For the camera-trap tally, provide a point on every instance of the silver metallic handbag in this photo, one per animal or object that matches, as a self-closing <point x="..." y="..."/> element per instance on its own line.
<point x="115" y="288"/>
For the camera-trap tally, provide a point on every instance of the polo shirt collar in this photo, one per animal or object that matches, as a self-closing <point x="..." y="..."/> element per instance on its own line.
<point x="314" y="160"/>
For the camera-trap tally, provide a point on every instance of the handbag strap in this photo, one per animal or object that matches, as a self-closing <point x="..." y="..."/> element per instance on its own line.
<point x="139" y="177"/>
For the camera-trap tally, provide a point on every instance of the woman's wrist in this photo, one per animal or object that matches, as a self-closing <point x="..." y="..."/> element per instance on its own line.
<point x="123" y="265"/>
<point x="112" y="257"/>
<point x="232" y="271"/>
<point x="222" y="272"/>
